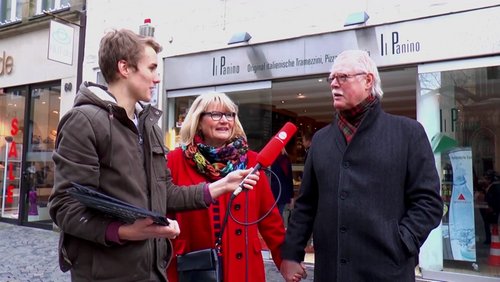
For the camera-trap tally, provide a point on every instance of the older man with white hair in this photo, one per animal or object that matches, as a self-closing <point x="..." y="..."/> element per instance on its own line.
<point x="370" y="189"/>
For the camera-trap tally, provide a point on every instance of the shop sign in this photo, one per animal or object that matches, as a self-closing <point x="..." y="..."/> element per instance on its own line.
<point x="6" y="64"/>
<point x="402" y="43"/>
<point x="395" y="46"/>
<point x="61" y="43"/>
<point x="10" y="168"/>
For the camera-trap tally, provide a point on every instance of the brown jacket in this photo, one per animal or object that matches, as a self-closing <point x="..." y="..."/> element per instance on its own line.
<point x="99" y="146"/>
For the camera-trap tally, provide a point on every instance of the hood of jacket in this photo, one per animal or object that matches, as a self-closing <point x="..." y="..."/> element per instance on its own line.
<point x="98" y="95"/>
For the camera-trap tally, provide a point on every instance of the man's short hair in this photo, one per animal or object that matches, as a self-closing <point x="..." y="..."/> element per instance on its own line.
<point x="119" y="45"/>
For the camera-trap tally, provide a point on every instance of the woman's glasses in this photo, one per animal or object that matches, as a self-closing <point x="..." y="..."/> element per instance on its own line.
<point x="216" y="116"/>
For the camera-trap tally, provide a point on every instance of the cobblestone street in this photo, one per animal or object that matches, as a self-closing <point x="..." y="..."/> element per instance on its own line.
<point x="30" y="254"/>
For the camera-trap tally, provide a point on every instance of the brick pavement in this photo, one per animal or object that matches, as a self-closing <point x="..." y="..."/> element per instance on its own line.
<point x="30" y="254"/>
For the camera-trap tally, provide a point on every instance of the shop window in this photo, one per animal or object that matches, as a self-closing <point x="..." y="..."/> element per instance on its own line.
<point x="10" y="12"/>
<point x="461" y="114"/>
<point x="12" y="110"/>
<point x="42" y="131"/>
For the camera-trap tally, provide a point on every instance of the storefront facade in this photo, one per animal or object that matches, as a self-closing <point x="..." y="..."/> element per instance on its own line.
<point x="38" y="77"/>
<point x="437" y="70"/>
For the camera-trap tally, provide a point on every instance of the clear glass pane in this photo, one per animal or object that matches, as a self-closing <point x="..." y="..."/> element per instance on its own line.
<point x="47" y="4"/>
<point x="19" y="9"/>
<point x="45" y="104"/>
<point x="11" y="148"/>
<point x="5" y="9"/>
<point x="465" y="105"/>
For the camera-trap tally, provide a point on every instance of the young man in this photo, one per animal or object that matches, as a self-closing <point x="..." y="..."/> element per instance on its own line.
<point x="110" y="141"/>
<point x="370" y="189"/>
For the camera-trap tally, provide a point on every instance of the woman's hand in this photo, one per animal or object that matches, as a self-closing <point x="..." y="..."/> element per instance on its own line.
<point x="232" y="181"/>
<point x="293" y="271"/>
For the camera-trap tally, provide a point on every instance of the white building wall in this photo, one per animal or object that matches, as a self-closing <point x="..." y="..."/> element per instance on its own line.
<point x="31" y="65"/>
<point x="190" y="26"/>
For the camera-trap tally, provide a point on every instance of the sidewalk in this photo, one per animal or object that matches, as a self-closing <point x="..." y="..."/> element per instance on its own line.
<point x="30" y="254"/>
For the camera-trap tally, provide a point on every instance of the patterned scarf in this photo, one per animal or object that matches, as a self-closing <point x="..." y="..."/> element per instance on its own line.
<point x="217" y="162"/>
<point x="349" y="120"/>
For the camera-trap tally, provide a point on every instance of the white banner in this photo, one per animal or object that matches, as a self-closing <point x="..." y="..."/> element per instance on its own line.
<point x="461" y="227"/>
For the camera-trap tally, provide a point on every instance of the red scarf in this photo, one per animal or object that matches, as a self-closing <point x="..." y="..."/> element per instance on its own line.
<point x="349" y="120"/>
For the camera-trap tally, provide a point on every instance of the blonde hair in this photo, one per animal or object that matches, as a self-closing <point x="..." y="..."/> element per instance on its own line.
<point x="190" y="125"/>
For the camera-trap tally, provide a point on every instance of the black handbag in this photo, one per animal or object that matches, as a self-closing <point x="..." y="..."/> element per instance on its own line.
<point x="202" y="265"/>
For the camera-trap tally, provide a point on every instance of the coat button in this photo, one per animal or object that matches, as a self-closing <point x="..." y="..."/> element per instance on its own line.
<point x="343" y="229"/>
<point x="239" y="255"/>
<point x="346" y="164"/>
<point x="157" y="112"/>
<point x="343" y="195"/>
<point x="151" y="119"/>
<point x="238" y="231"/>
<point x="237" y="207"/>
<point x="344" y="261"/>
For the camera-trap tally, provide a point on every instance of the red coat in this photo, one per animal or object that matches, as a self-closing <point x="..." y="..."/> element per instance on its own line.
<point x="197" y="227"/>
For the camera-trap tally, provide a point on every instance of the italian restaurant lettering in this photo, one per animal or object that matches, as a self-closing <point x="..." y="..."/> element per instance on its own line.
<point x="221" y="66"/>
<point x="394" y="46"/>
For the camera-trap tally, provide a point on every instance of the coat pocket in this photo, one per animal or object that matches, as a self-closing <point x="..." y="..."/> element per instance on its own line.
<point x="159" y="163"/>
<point x="396" y="245"/>
<point x="67" y="255"/>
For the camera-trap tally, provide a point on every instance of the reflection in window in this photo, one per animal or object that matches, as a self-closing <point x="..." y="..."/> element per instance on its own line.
<point x="466" y="104"/>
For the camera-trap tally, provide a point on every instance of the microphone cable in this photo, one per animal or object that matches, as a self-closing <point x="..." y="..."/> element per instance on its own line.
<point x="246" y="224"/>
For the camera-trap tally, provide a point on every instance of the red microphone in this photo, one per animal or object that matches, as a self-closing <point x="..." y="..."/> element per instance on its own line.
<point x="270" y="152"/>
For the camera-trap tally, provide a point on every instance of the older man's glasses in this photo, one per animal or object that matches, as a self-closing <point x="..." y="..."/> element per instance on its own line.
<point x="342" y="77"/>
<point x="216" y="116"/>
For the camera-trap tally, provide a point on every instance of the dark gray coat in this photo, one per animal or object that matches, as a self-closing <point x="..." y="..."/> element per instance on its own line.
<point x="99" y="146"/>
<point x="370" y="204"/>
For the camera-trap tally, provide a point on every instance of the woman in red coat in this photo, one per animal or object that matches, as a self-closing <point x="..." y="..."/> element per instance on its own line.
<point x="214" y="144"/>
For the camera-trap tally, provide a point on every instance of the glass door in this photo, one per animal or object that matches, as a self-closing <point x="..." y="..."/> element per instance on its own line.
<point x="40" y="143"/>
<point x="12" y="108"/>
<point x="458" y="105"/>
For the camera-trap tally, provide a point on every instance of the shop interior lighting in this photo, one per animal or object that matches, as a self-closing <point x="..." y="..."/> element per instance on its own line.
<point x="240" y="37"/>
<point x="356" y="18"/>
